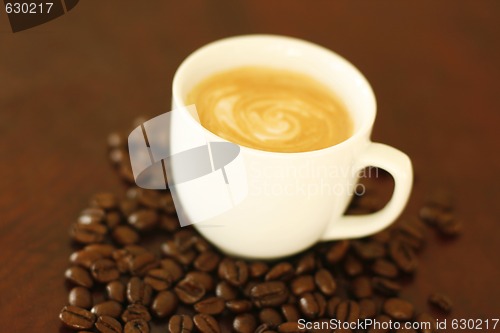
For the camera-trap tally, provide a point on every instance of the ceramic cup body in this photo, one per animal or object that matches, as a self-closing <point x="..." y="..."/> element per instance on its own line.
<point x="293" y="200"/>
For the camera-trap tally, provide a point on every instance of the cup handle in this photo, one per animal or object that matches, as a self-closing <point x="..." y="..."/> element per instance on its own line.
<point x="398" y="164"/>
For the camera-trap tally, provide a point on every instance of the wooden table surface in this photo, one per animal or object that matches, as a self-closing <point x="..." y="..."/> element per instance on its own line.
<point x="434" y="67"/>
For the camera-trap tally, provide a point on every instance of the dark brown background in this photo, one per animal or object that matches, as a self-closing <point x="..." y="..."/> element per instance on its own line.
<point x="64" y="85"/>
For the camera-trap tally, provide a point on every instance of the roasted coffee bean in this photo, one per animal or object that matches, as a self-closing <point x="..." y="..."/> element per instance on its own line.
<point x="189" y="291"/>
<point x="281" y="271"/>
<point x="88" y="233"/>
<point x="143" y="219"/>
<point x="185" y="239"/>
<point x="104" y="200"/>
<point x="347" y="311"/>
<point x="290" y="327"/>
<point x="206" y="323"/>
<point x="270" y="316"/>
<point x="136" y="311"/>
<point x="306" y="263"/>
<point x="171" y="249"/>
<point x="91" y="216"/>
<point x="403" y="256"/>
<point x="147" y="198"/>
<point x="128" y="206"/>
<point x="168" y="223"/>
<point x="211" y="305"/>
<point x="398" y="309"/>
<point x="113" y="219"/>
<point x="108" y="308"/>
<point x="368" y="250"/>
<point x="180" y="324"/>
<point x="452" y="227"/>
<point x="431" y="214"/>
<point x="264" y="328"/>
<point x="411" y="235"/>
<point x="207" y="261"/>
<point x="79" y="276"/>
<point x="367" y="308"/>
<point x="384" y="326"/>
<point x="272" y="293"/>
<point x="159" y="279"/>
<point x="244" y="323"/>
<point x="136" y="326"/>
<point x="175" y="270"/>
<point x="386" y="287"/>
<point x="116" y="291"/>
<point x="142" y="263"/>
<point x="337" y="251"/>
<point x="239" y="305"/>
<point x="84" y="258"/>
<point x="362" y="287"/>
<point x="385" y="268"/>
<point x="352" y="266"/>
<point x="302" y="284"/>
<point x="331" y="306"/>
<point x="164" y="303"/>
<point x="125" y="235"/>
<point x="138" y="291"/>
<point x="441" y="199"/>
<point x="107" y="324"/>
<point x="247" y="289"/>
<point x="233" y="271"/>
<point x="118" y="156"/>
<point x="428" y="323"/>
<point x="441" y="301"/>
<point x="105" y="250"/>
<point x="77" y="318"/>
<point x="226" y="291"/>
<point x="312" y="305"/>
<point x="104" y="270"/>
<point x="80" y="297"/>
<point x="382" y="236"/>
<point x="258" y="269"/>
<point x="205" y="279"/>
<point x="325" y="282"/>
<point x="290" y="312"/>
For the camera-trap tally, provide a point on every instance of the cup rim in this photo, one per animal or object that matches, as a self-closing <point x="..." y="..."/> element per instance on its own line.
<point x="365" y="127"/>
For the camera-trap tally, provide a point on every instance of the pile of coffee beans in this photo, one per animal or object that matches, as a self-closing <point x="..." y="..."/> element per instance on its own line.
<point x="135" y="266"/>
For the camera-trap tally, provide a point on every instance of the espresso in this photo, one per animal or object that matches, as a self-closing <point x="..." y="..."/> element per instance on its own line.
<point x="271" y="109"/>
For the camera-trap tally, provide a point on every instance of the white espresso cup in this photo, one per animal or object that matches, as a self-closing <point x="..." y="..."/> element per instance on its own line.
<point x="291" y="200"/>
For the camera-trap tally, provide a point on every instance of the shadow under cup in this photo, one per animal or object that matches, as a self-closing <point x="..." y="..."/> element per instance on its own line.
<point x="268" y="224"/>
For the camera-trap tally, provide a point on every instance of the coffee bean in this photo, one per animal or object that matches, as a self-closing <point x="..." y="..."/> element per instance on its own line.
<point x="108" y="308"/>
<point x="207" y="261"/>
<point x="312" y="305"/>
<point x="386" y="287"/>
<point x="244" y="323"/>
<point x="281" y="271"/>
<point x="189" y="291"/>
<point x="112" y="219"/>
<point x="104" y="200"/>
<point x="306" y="263"/>
<point x="136" y="311"/>
<point x="168" y="223"/>
<point x="410" y="235"/>
<point x="362" y="287"/>
<point x="128" y="206"/>
<point x="398" y="309"/>
<point x="302" y="284"/>
<point x="325" y="282"/>
<point x="385" y="268"/>
<point x="331" y="306"/>
<point x="164" y="303"/>
<point x="105" y="250"/>
<point x="271" y="293"/>
<point x="441" y="199"/>
<point x="116" y="291"/>
<point x="258" y="269"/>
<point x="368" y="250"/>
<point x="430" y="214"/>
<point x="147" y="198"/>
<point x="88" y="233"/>
<point x="270" y="316"/>
<point x="203" y="278"/>
<point x="143" y="219"/>
<point x="290" y="312"/>
<point x="91" y="216"/>
<point x="347" y="311"/>
<point x="171" y="249"/>
<point x="247" y="289"/>
<point x="180" y="324"/>
<point x="138" y="291"/>
<point x="206" y="323"/>
<point x="441" y="301"/>
<point x="142" y="263"/>
<point x="185" y="239"/>
<point x="136" y="326"/>
<point x="77" y="318"/>
<point x="79" y="276"/>
<point x="384" y="326"/>
<point x="264" y="328"/>
<point x="403" y="256"/>
<point x="234" y="272"/>
<point x="80" y="297"/>
<point x="84" y="258"/>
<point x="452" y="227"/>
<point x="159" y="279"/>
<point x="290" y="327"/>
<point x="239" y="305"/>
<point x="211" y="305"/>
<point x="104" y="270"/>
<point x="382" y="236"/>
<point x="367" y="308"/>
<point x="125" y="235"/>
<point x="428" y="323"/>
<point x="226" y="291"/>
<point x="337" y="251"/>
<point x="352" y="266"/>
<point x="106" y="324"/>
<point x="175" y="270"/>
